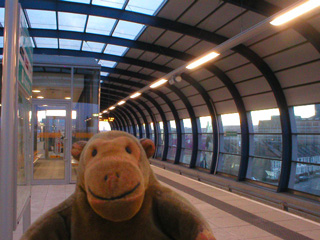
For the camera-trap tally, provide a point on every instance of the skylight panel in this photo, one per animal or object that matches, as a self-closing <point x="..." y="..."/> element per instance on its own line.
<point x="42" y="19"/>
<point x="72" y="21"/>
<point x="77" y="1"/>
<point x="128" y="30"/>
<point x="104" y="74"/>
<point x="115" y="50"/>
<point x="100" y="25"/>
<point x="2" y="17"/>
<point x="1" y="42"/>
<point x="46" y="42"/>
<point x="70" y="44"/>
<point x="92" y="46"/>
<point x="145" y="6"/>
<point x="106" y="63"/>
<point x="109" y="3"/>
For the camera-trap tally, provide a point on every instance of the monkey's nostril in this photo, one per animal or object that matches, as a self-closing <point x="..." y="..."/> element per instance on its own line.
<point x="118" y="175"/>
<point x="106" y="178"/>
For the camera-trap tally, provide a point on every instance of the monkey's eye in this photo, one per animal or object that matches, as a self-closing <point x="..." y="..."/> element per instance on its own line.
<point x="94" y="152"/>
<point x="128" y="150"/>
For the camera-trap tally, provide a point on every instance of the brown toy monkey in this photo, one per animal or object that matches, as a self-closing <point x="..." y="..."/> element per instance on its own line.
<point x="117" y="197"/>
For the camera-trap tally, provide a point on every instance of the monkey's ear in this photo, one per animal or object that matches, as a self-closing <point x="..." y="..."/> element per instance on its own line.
<point x="148" y="146"/>
<point x="77" y="148"/>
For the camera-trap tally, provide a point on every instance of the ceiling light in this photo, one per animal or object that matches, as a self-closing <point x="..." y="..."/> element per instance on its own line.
<point x="137" y="94"/>
<point x="40" y="97"/>
<point x="111" y="108"/>
<point x="121" y="102"/>
<point x="105" y="111"/>
<point x="67" y="98"/>
<point x="203" y="60"/>
<point x="159" y="83"/>
<point x="296" y="12"/>
<point x="35" y="90"/>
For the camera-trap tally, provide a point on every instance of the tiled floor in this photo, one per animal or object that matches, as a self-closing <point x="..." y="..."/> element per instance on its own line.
<point x="229" y="215"/>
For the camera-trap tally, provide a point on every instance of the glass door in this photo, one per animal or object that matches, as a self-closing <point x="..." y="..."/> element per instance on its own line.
<point x="51" y="142"/>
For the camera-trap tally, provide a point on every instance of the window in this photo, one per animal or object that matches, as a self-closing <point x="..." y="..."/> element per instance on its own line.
<point x="145" y="6"/>
<point x="72" y="21"/>
<point x="42" y="19"/>
<point x="106" y="63"/>
<point x="137" y="131"/>
<point x="187" y="141"/>
<point x="160" y="145"/>
<point x="115" y="50"/>
<point x="92" y="46"/>
<point x="305" y="166"/>
<point x="266" y="151"/>
<point x="152" y="132"/>
<point x="172" y="140"/>
<point x="109" y="3"/>
<point x="100" y="25"/>
<point x="230" y="144"/>
<point x="69" y="44"/>
<point x="46" y="42"/>
<point x="128" y="30"/>
<point x="143" y="131"/>
<point x="205" y="143"/>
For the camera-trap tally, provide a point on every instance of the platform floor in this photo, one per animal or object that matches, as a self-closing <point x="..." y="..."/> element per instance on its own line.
<point x="230" y="216"/>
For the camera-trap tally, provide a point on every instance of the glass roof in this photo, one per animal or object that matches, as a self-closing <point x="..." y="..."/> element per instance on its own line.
<point x="145" y="6"/>
<point x="105" y="63"/>
<point x="100" y="25"/>
<point x="92" y="46"/>
<point x="69" y="44"/>
<point x="115" y="50"/>
<point x="46" y="42"/>
<point x="128" y="30"/>
<point x="2" y="17"/>
<point x="78" y="1"/>
<point x="105" y="74"/>
<point x="109" y="3"/>
<point x="72" y="21"/>
<point x="1" y="42"/>
<point x="42" y="19"/>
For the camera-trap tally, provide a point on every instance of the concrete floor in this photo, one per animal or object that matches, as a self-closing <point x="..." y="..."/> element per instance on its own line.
<point x="230" y="216"/>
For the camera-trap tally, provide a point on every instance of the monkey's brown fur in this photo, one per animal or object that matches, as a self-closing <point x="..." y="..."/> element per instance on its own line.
<point x="117" y="197"/>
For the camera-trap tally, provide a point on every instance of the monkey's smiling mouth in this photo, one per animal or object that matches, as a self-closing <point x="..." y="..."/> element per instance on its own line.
<point x="114" y="198"/>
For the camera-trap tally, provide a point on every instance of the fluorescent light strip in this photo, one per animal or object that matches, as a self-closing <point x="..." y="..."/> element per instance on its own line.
<point x="137" y="94"/>
<point x="111" y="108"/>
<point x="121" y="102"/>
<point x="296" y="12"/>
<point x="159" y="83"/>
<point x="105" y="111"/>
<point x="203" y="60"/>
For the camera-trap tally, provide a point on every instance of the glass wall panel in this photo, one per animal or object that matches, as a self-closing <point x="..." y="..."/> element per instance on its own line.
<point x="264" y="170"/>
<point x="305" y="168"/>
<point x="268" y="146"/>
<point x="172" y="153"/>
<point x="204" y="157"/>
<point x="187" y="141"/>
<point x="186" y="156"/>
<point x="144" y="135"/>
<point x="230" y="144"/>
<point x="152" y="131"/>
<point x="266" y="121"/>
<point x="229" y="164"/>
<point x="137" y="131"/>
<point x="85" y="105"/>
<point x="51" y="83"/>
<point x="160" y="145"/>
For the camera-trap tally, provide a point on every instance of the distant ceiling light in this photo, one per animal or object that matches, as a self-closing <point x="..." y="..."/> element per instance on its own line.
<point x="295" y="12"/>
<point x="111" y="108"/>
<point x="159" y="83"/>
<point x="203" y="60"/>
<point x="137" y="94"/>
<point x="105" y="111"/>
<point x="175" y="79"/>
<point x="40" y="97"/>
<point x="44" y="105"/>
<point x="35" y="90"/>
<point x="67" y="98"/>
<point x="121" y="102"/>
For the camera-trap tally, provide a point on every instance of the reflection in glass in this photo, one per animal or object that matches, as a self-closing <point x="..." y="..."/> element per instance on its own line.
<point x="231" y="143"/>
<point x="204" y="159"/>
<point x="206" y="142"/>
<point x="268" y="146"/>
<point x="186" y="156"/>
<point x="85" y="104"/>
<point x="173" y="140"/>
<point x="305" y="178"/>
<point x="159" y="151"/>
<point x="264" y="170"/>
<point x="171" y="153"/>
<point x="229" y="164"/>
<point x="187" y="141"/>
